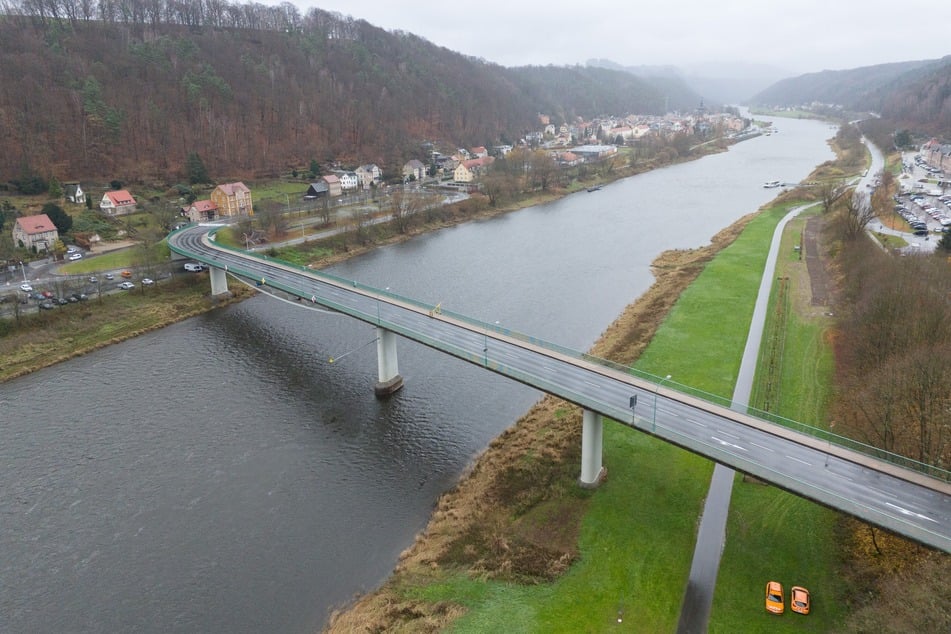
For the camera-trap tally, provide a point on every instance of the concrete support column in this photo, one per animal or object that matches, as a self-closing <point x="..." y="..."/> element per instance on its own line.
<point x="387" y="368"/>
<point x="592" y="436"/>
<point x="219" y="281"/>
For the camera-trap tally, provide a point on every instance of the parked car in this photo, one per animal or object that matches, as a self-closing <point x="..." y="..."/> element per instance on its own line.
<point x="93" y="279"/>
<point x="126" y="286"/>
<point x="774" y="597"/>
<point x="110" y="276"/>
<point x="75" y="256"/>
<point x="146" y="281"/>
<point x="194" y="267"/>
<point x="126" y="274"/>
<point x="799" y="600"/>
<point x="26" y="288"/>
<point x="47" y="305"/>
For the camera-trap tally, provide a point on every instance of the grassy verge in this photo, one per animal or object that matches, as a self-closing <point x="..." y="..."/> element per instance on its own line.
<point x="48" y="337"/>
<point x="771" y="534"/>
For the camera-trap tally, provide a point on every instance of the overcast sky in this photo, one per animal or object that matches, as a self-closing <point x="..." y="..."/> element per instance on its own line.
<point x="798" y="37"/>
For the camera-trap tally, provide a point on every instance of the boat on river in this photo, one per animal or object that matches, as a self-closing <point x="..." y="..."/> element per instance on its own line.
<point x="771" y="184"/>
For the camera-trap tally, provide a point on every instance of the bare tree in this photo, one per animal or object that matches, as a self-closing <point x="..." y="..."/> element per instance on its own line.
<point x="858" y="213"/>
<point x="829" y="192"/>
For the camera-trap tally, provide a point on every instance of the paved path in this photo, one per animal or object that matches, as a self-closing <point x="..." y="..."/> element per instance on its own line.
<point x="698" y="597"/>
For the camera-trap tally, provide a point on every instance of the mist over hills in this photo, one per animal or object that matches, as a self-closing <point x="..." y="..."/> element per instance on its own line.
<point x="716" y="83"/>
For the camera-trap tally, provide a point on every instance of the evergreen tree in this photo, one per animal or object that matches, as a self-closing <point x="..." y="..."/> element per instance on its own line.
<point x="944" y="245"/>
<point x="62" y="220"/>
<point x="195" y="169"/>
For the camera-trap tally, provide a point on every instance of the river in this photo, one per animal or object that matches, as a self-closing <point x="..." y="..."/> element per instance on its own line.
<point x="220" y="475"/>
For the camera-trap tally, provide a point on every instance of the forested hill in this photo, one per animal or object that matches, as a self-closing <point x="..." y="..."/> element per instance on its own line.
<point x="121" y="99"/>
<point x="914" y="95"/>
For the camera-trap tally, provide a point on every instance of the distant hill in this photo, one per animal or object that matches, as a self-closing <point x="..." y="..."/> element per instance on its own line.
<point x="107" y="100"/>
<point x="914" y="95"/>
<point x="853" y="88"/>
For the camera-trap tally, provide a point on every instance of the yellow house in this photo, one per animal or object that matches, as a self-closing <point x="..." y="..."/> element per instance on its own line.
<point x="232" y="199"/>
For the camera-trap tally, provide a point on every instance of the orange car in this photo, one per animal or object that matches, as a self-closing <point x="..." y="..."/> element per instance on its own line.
<point x="126" y="274"/>
<point x="774" y="597"/>
<point x="799" y="600"/>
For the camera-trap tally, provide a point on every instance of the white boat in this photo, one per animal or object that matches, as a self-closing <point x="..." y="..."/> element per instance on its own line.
<point x="771" y="184"/>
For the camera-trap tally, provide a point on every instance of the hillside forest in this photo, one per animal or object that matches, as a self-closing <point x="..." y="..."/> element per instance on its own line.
<point x="127" y="90"/>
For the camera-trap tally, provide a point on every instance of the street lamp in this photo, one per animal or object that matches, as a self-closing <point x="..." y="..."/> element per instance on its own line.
<point x="656" y="390"/>
<point x="485" y="349"/>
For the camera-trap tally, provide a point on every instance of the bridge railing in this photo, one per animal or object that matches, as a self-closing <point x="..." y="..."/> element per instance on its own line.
<point x="823" y="435"/>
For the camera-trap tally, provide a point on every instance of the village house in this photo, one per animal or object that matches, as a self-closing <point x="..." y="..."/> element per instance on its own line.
<point x="37" y="233"/>
<point x="414" y="169"/>
<point x="334" y="188"/>
<point x="232" y="199"/>
<point x="74" y="193"/>
<point x="478" y="152"/>
<point x="368" y="175"/>
<point x="320" y="189"/>
<point x="466" y="171"/>
<point x="348" y="180"/>
<point x="117" y="203"/>
<point x="202" y="211"/>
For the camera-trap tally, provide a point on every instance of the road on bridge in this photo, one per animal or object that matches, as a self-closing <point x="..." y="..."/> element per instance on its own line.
<point x="884" y="494"/>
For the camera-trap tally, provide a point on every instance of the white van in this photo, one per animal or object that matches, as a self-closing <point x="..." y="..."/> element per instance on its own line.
<point x="194" y="267"/>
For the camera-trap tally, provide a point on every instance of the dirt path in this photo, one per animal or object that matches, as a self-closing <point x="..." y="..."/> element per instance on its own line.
<point x="818" y="275"/>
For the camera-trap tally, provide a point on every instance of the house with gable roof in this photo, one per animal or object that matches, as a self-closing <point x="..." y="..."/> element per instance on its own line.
<point x="118" y="203"/>
<point x="233" y="199"/>
<point x="36" y="233"/>
<point x="368" y="175"/>
<point x="334" y="188"/>
<point x="348" y="180"/>
<point x="414" y="169"/>
<point x="202" y="211"/>
<point x="74" y="193"/>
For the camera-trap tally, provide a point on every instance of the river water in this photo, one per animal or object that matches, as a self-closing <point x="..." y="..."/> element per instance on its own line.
<point x="221" y="476"/>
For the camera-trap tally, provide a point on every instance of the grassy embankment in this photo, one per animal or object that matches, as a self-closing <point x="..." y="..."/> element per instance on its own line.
<point x="42" y="339"/>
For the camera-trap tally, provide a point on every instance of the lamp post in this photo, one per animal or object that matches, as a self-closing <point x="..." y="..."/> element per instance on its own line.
<point x="656" y="390"/>
<point x="485" y="349"/>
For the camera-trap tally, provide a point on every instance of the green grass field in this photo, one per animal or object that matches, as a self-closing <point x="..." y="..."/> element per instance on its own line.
<point x="638" y="535"/>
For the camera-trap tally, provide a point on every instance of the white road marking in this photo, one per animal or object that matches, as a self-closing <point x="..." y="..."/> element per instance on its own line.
<point x="907" y="512"/>
<point x="809" y="464"/>
<point x="728" y="444"/>
<point x="763" y="448"/>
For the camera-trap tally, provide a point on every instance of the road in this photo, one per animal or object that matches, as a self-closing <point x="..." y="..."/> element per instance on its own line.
<point x="881" y="493"/>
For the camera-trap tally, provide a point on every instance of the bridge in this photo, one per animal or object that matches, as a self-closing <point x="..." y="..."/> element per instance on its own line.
<point x="887" y="490"/>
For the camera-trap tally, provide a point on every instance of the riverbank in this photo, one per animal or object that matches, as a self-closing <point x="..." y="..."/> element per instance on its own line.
<point x="49" y="337"/>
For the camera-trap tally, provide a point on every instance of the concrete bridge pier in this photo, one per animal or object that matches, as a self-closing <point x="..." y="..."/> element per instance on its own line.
<point x="219" y="281"/>
<point x="592" y="436"/>
<point x="387" y="368"/>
